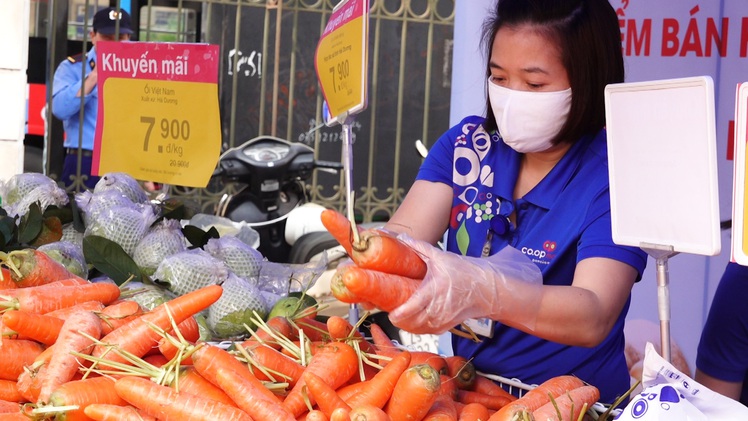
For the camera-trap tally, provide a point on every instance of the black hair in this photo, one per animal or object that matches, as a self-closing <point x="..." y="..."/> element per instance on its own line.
<point x="589" y="40"/>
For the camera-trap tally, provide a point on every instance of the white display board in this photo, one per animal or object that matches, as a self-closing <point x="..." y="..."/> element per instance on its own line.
<point x="739" y="209"/>
<point x="663" y="164"/>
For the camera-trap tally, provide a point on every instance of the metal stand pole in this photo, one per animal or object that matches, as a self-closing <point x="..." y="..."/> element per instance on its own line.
<point x="661" y="254"/>
<point x="347" y="155"/>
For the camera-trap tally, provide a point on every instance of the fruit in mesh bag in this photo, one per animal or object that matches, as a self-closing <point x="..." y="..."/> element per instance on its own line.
<point x="69" y="255"/>
<point x="149" y="296"/>
<point x="92" y="205"/>
<point x="162" y="240"/>
<point x="22" y="190"/>
<point x="189" y="270"/>
<point x="123" y="225"/>
<point x="242" y="259"/>
<point x="122" y="183"/>
<point x="71" y="235"/>
<point x="236" y="307"/>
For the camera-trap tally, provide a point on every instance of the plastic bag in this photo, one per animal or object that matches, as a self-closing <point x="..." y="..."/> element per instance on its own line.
<point x="225" y="226"/>
<point x="671" y="395"/>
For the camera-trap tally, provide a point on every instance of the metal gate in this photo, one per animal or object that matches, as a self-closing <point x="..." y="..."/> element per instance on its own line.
<point x="268" y="86"/>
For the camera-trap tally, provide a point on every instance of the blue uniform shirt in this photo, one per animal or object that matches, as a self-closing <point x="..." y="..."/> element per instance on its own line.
<point x="723" y="348"/>
<point x="66" y="105"/>
<point x="564" y="219"/>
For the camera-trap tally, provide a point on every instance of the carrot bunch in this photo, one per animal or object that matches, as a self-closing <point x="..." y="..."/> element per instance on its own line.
<point x="386" y="271"/>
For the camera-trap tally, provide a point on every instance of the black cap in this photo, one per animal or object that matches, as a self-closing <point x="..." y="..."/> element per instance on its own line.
<point x="105" y="21"/>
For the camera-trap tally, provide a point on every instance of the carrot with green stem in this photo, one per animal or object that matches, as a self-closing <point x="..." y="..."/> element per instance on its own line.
<point x="335" y="363"/>
<point x="109" y="412"/>
<point x="415" y="391"/>
<point x="382" y="342"/>
<point x="277" y="365"/>
<point x="6" y="282"/>
<point x="70" y="400"/>
<point x="45" y="299"/>
<point x="277" y="324"/>
<point x="138" y="337"/>
<point x="15" y="354"/>
<point x="31" y="267"/>
<point x="568" y="406"/>
<point x="379" y="389"/>
<point x="166" y="404"/>
<point x="536" y="397"/>
<point x="342" y="330"/>
<point x="250" y="397"/>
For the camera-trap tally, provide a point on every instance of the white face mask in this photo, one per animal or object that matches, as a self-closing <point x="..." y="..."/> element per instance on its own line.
<point x="527" y="121"/>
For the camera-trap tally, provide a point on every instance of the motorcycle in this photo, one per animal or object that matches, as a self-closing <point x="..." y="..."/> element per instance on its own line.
<point x="272" y="173"/>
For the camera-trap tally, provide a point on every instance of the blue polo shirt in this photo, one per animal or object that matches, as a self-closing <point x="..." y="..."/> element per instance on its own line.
<point x="563" y="220"/>
<point x="723" y="348"/>
<point x="66" y="105"/>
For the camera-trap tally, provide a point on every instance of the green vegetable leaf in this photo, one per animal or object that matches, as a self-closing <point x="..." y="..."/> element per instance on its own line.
<point x="31" y="224"/>
<point x="7" y="230"/>
<point x="197" y="237"/>
<point x="110" y="259"/>
<point x="77" y="217"/>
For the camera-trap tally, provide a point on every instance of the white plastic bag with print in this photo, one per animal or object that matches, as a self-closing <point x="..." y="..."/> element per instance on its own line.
<point x="669" y="394"/>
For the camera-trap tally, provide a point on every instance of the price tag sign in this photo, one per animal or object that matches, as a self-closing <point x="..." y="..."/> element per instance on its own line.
<point x="740" y="199"/>
<point x="158" y="114"/>
<point x="342" y="59"/>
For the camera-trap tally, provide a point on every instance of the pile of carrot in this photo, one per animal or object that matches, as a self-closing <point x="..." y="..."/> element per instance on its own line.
<point x="75" y="350"/>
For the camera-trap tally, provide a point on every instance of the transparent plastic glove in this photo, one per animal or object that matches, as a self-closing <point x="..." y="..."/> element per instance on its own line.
<point x="504" y="287"/>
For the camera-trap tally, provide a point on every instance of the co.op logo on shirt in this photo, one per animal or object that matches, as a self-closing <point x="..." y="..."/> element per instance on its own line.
<point x="541" y="255"/>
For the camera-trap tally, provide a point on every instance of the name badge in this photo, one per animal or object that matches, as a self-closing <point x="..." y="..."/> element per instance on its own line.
<point x="482" y="326"/>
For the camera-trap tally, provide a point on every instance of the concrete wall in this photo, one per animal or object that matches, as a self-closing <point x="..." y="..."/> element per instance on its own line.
<point x="14" y="33"/>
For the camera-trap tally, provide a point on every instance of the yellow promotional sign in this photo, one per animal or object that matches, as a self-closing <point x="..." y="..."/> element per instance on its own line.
<point x="158" y="114"/>
<point x="341" y="59"/>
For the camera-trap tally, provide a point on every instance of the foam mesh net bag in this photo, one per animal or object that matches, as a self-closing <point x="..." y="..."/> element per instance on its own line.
<point x="161" y="241"/>
<point x="123" y="225"/>
<point x="189" y="270"/>
<point x="243" y="260"/>
<point x="20" y="191"/>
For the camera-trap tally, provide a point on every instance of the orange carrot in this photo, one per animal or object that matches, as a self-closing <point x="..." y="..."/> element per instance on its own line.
<point x="14" y="416"/>
<point x="166" y="404"/>
<point x="109" y="412"/>
<point x="482" y="384"/>
<point x="29" y="382"/>
<point x="15" y="354"/>
<point x="537" y="397"/>
<point x="63" y="364"/>
<point x="341" y="330"/>
<point x="278" y="324"/>
<point x="190" y="381"/>
<point x="339" y="227"/>
<point x="351" y="389"/>
<point x="31" y="267"/>
<point x="325" y="396"/>
<point x="82" y="393"/>
<point x="430" y="358"/>
<point x="38" y="327"/>
<point x="157" y="360"/>
<point x="248" y="397"/>
<point x="382" y="342"/>
<point x="368" y="413"/>
<point x="383" y="290"/>
<point x="415" y="392"/>
<point x="461" y="370"/>
<point x="6" y="282"/>
<point x="43" y="299"/>
<point x="137" y="336"/>
<point x="340" y="414"/>
<point x="315" y="415"/>
<point x="64" y="313"/>
<point x="119" y="313"/>
<point x="489" y="401"/>
<point x="208" y="359"/>
<point x="381" y="251"/>
<point x="276" y="362"/>
<point x="568" y="406"/>
<point x="8" y="407"/>
<point x="339" y="290"/>
<point x="443" y="409"/>
<point x="335" y="363"/>
<point x="448" y="387"/>
<point x="473" y="412"/>
<point x="313" y="329"/>
<point x="9" y="391"/>
<point x="380" y="388"/>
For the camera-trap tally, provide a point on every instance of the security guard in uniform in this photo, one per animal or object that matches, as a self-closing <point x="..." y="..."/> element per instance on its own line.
<point x="70" y="84"/>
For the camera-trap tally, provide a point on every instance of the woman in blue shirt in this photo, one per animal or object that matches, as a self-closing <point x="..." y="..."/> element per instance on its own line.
<point x="532" y="175"/>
